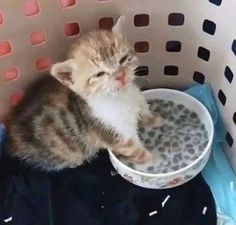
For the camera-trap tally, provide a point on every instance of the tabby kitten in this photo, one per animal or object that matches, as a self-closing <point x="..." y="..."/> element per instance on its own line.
<point x="92" y="104"/>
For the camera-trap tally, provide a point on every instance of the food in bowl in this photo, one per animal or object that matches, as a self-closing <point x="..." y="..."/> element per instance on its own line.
<point x="180" y="148"/>
<point x="177" y="143"/>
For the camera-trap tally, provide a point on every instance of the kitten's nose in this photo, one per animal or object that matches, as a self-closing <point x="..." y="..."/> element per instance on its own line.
<point x="120" y="75"/>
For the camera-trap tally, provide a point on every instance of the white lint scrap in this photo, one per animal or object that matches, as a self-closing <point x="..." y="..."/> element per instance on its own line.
<point x="113" y="173"/>
<point x="231" y="186"/>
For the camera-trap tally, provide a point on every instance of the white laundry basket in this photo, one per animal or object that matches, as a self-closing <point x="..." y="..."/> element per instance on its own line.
<point x="179" y="42"/>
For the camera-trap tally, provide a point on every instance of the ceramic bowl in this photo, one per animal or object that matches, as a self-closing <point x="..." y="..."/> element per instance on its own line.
<point x="183" y="175"/>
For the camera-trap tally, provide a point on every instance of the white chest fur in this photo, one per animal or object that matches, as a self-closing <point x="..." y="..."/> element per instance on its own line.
<point x="119" y="112"/>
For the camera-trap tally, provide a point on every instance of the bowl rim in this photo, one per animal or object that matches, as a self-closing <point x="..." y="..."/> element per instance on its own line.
<point x="172" y="173"/>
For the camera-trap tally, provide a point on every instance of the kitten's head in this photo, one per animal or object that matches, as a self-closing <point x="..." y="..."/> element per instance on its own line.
<point x="101" y="62"/>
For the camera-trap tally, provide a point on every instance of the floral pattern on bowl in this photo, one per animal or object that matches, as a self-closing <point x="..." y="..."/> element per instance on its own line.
<point x="160" y="182"/>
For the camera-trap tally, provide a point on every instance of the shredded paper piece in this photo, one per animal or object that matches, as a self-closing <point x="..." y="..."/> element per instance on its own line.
<point x="153" y="213"/>
<point x="165" y="200"/>
<point x="8" y="220"/>
<point x="204" y="210"/>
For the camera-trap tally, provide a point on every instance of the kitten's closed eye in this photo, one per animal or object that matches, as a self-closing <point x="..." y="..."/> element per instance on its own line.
<point x="126" y="58"/>
<point x="100" y="74"/>
<point x="123" y="59"/>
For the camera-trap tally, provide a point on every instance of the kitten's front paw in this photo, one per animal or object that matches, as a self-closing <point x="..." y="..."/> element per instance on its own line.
<point x="155" y="120"/>
<point x="142" y="156"/>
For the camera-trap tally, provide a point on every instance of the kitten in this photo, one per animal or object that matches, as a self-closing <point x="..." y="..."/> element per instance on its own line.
<point x="92" y="104"/>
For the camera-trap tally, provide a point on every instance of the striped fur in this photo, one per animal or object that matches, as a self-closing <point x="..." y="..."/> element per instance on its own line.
<point x="52" y="128"/>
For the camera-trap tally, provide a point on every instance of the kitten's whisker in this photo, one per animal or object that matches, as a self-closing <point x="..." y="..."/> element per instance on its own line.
<point x="142" y="78"/>
<point x="139" y="70"/>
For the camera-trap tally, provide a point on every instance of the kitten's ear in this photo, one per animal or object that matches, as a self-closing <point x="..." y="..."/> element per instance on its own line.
<point x="63" y="71"/>
<point x="118" y="28"/>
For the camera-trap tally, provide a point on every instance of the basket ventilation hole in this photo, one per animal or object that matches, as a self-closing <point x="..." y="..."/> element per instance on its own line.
<point x="173" y="46"/>
<point x="229" y="139"/>
<point x="1" y="18"/>
<point x="5" y="48"/>
<point x="176" y="19"/>
<point x="229" y="74"/>
<point x="31" y="7"/>
<point x="142" y="71"/>
<point x="67" y="3"/>
<point x="234" y="47"/>
<point x="106" y="23"/>
<point x="203" y="53"/>
<point x="16" y="97"/>
<point x="141" y="46"/>
<point x="141" y="20"/>
<point x="222" y="97"/>
<point x="171" y="70"/>
<point x="71" y="29"/>
<point x="43" y="64"/>
<point x="199" y="77"/>
<point x="11" y="74"/>
<point x="209" y="27"/>
<point x="216" y="2"/>
<point x="234" y="118"/>
<point x="37" y="37"/>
